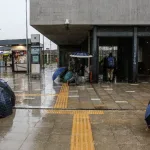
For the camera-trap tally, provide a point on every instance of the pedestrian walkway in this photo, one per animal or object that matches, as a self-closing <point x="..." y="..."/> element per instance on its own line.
<point x="44" y="93"/>
<point x="36" y="129"/>
<point x="53" y="116"/>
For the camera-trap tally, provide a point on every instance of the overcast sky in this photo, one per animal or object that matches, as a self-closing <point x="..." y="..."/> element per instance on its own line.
<point x="13" y="21"/>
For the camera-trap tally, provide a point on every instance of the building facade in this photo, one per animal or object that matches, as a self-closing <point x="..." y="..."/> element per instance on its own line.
<point x="97" y="26"/>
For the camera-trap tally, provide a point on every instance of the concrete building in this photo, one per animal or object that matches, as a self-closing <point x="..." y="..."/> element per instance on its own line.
<point x="98" y="26"/>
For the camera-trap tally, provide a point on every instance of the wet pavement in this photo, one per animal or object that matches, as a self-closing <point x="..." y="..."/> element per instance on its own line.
<point x="53" y="116"/>
<point x="33" y="92"/>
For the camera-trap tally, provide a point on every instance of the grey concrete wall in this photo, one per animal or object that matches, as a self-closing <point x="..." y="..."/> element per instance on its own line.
<point x="97" y="12"/>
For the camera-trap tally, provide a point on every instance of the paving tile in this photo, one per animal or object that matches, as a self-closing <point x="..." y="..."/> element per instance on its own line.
<point x="132" y="147"/>
<point x="101" y="129"/>
<point x="104" y="139"/>
<point x="126" y="139"/>
<point x="42" y="130"/>
<point x="44" y="124"/>
<point x="106" y="147"/>
<point x="126" y="106"/>
<point x="143" y="139"/>
<point x="120" y="131"/>
<point x="61" y="131"/>
<point x="36" y="145"/>
<point x="63" y="125"/>
<point x="63" y="138"/>
<point x="16" y="136"/>
<point x="10" y="145"/>
<point x="21" y="129"/>
<point x="58" y="146"/>
<point x="37" y="137"/>
<point x="64" y="118"/>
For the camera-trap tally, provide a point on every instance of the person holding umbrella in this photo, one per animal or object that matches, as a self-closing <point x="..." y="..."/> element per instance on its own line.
<point x="147" y="116"/>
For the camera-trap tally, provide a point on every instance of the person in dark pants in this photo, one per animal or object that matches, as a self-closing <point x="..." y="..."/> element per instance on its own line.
<point x="81" y="70"/>
<point x="111" y="67"/>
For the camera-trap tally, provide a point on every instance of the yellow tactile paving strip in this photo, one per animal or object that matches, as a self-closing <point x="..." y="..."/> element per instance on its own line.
<point x="71" y="112"/>
<point x="62" y="99"/>
<point x="82" y="138"/>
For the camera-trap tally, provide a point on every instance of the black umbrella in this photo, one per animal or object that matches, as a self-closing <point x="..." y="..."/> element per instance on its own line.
<point x="7" y="89"/>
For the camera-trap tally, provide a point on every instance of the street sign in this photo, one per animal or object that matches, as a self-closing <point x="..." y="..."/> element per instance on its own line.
<point x="35" y="51"/>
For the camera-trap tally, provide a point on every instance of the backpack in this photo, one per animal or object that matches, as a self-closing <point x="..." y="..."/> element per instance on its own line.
<point x="111" y="62"/>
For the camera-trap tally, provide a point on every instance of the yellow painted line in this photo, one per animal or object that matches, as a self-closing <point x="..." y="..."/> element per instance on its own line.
<point x="62" y="99"/>
<point x="20" y="95"/>
<point x="81" y="138"/>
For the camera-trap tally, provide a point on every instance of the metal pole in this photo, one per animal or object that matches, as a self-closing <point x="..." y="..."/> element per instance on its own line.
<point x="43" y="53"/>
<point x="50" y="52"/>
<point x="47" y="57"/>
<point x="135" y="56"/>
<point x="28" y="57"/>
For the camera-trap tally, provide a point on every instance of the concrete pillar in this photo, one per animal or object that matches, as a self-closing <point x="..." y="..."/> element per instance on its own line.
<point x="95" y="68"/>
<point x="58" y="65"/>
<point x="47" y="58"/>
<point x="89" y="50"/>
<point x="60" y="58"/>
<point x="135" y="56"/>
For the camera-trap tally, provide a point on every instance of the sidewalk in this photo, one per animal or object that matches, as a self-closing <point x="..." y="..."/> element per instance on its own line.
<point x="50" y="116"/>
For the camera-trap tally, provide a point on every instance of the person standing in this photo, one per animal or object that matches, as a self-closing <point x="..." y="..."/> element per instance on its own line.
<point x="111" y="65"/>
<point x="103" y="64"/>
<point x="5" y="60"/>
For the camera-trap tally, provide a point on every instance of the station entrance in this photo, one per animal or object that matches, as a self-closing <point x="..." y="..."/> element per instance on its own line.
<point x="121" y="48"/>
<point x="144" y="59"/>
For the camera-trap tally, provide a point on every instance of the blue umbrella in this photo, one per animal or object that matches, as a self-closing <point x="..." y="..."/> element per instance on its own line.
<point x="58" y="72"/>
<point x="147" y="115"/>
<point x="147" y="111"/>
<point x="81" y="55"/>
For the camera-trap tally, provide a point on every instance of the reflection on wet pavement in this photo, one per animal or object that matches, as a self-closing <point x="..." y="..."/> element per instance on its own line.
<point x="36" y="129"/>
<point x="33" y="93"/>
<point x="76" y="122"/>
<point x="44" y="93"/>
